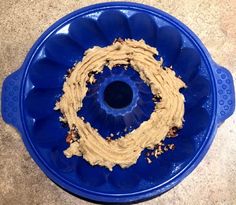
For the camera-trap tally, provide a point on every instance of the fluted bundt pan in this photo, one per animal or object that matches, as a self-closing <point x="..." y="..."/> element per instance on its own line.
<point x="119" y="99"/>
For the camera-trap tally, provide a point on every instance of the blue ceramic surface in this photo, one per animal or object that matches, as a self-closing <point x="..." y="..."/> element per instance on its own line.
<point x="30" y="93"/>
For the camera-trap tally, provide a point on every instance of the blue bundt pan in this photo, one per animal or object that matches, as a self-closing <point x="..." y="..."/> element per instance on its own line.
<point x="30" y="93"/>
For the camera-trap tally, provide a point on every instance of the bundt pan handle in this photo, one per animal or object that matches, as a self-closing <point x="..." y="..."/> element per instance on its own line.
<point x="11" y="99"/>
<point x="225" y="93"/>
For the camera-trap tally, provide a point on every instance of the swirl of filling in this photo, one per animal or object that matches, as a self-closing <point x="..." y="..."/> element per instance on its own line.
<point x="125" y="151"/>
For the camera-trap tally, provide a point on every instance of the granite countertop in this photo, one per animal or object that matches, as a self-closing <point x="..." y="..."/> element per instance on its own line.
<point x="23" y="183"/>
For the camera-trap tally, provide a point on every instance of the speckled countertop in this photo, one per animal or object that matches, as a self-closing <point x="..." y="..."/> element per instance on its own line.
<point x="23" y="21"/>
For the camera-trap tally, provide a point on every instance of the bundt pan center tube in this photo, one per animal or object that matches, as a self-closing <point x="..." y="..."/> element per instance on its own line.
<point x="30" y="93"/>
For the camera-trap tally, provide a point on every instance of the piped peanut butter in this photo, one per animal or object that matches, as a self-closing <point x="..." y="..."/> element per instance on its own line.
<point x="164" y="84"/>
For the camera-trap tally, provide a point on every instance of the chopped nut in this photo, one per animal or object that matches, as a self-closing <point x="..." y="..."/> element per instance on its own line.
<point x="62" y="119"/>
<point x="155" y="153"/>
<point x="160" y="152"/>
<point x="69" y="138"/>
<point x="172" y="132"/>
<point x="108" y="139"/>
<point x="159" y="144"/>
<point x="74" y="130"/>
<point x="91" y="73"/>
<point x="69" y="71"/>
<point x="156" y="99"/>
<point x="149" y="160"/>
<point x="120" y="40"/>
<point x="171" y="146"/>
